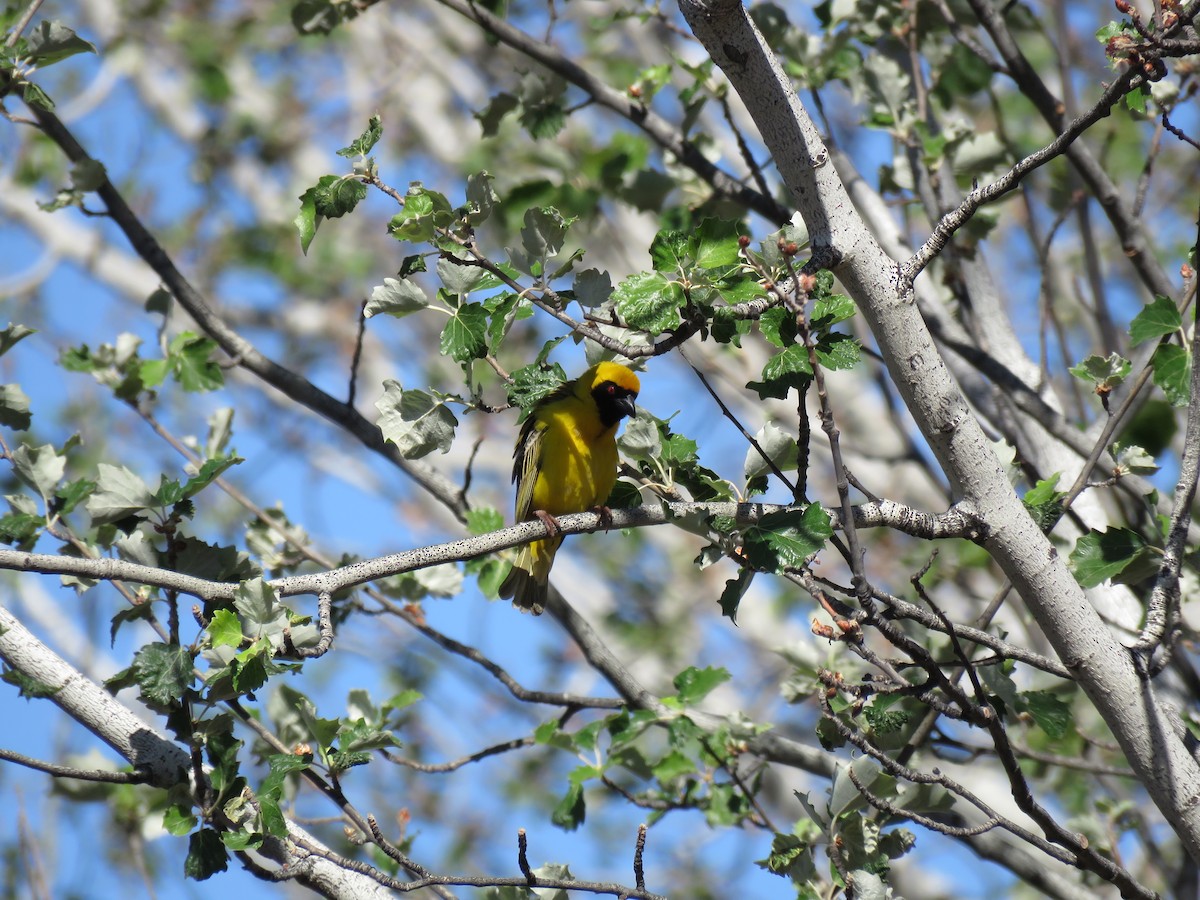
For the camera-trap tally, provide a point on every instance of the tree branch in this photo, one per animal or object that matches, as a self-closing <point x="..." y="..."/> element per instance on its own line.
<point x="1146" y="731"/>
<point x="657" y="128"/>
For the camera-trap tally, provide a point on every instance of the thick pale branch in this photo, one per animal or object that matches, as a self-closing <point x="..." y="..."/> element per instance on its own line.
<point x="1147" y="733"/>
<point x="164" y="763"/>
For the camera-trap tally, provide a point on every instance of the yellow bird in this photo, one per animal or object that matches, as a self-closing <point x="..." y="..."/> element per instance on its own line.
<point x="565" y="462"/>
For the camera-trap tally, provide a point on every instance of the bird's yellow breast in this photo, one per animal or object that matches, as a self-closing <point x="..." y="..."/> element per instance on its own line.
<point x="578" y="460"/>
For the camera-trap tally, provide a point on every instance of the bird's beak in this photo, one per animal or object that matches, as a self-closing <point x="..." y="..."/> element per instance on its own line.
<point x="627" y="406"/>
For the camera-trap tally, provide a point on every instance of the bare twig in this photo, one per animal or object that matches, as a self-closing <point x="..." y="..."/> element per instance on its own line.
<point x="60" y="771"/>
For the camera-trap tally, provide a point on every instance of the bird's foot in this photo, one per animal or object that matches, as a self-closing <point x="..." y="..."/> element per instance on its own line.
<point x="549" y="521"/>
<point x="605" y="514"/>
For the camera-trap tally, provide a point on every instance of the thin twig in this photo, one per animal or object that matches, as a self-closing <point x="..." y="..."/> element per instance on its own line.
<point x="60" y="771"/>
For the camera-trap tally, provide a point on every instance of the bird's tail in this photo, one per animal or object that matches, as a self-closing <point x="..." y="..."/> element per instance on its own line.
<point x="529" y="581"/>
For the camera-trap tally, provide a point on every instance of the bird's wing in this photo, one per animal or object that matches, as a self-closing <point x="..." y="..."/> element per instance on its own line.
<point x="527" y="464"/>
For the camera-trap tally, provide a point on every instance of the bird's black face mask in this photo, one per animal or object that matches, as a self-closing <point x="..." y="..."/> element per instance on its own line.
<point x="614" y="402"/>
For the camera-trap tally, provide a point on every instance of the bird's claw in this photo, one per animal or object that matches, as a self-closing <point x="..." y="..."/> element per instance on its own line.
<point x="551" y="523"/>
<point x="606" y="516"/>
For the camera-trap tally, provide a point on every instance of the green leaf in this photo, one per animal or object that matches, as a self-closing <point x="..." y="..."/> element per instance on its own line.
<point x="482" y="519"/>
<point x="159" y="302"/>
<point x="592" y="288"/>
<point x="542" y="112"/>
<point x="791" y="857"/>
<point x="542" y="234"/>
<point x="1135" y="100"/>
<point x="397" y="298"/>
<point x="444" y="580"/>
<point x="649" y="302"/>
<point x="140" y="613"/>
<point x="119" y="494"/>
<point x="829" y="311"/>
<point x="163" y="673"/>
<point x="424" y="212"/>
<point x="70" y="495"/>
<point x="571" y="809"/>
<point x="154" y="372"/>
<point x="21" y="529"/>
<point x="1106" y="372"/>
<point x="29" y="687"/>
<point x="693" y="684"/>
<point x="51" y="42"/>
<point x="366" y="141"/>
<point x="1099" y="556"/>
<point x="360" y="735"/>
<point x="1052" y="715"/>
<point x="225" y="630"/>
<point x="211" y="561"/>
<point x="671" y="252"/>
<point x="210" y="471"/>
<point x="531" y="383"/>
<point x="672" y="766"/>
<point x="778" y="326"/>
<point x="262" y="615"/>
<point x="414" y="421"/>
<point x="191" y="363"/>
<point x="307" y="220"/>
<point x="35" y="96"/>
<point x="302" y="721"/>
<point x="650" y="81"/>
<point x="337" y="195"/>
<point x="342" y="760"/>
<point x="481" y="197"/>
<point x="1134" y="459"/>
<point x="882" y="719"/>
<point x="270" y="792"/>
<point x="1172" y="367"/>
<point x="642" y="437"/>
<point x="845" y="795"/>
<point x="223" y="750"/>
<point x="1155" y="319"/>
<point x="13" y="335"/>
<point x="490" y="576"/>
<point x="179" y="820"/>
<point x="998" y="681"/>
<point x="678" y="450"/>
<point x="498" y="107"/>
<point x="402" y="700"/>
<point x="246" y="672"/>
<point x="735" y="589"/>
<point x="779" y="447"/>
<point x="88" y="175"/>
<point x="41" y="468"/>
<point x="716" y="243"/>
<point x="459" y="277"/>
<point x="1045" y="502"/>
<point x="786" y="539"/>
<point x="838" y="352"/>
<point x="241" y="840"/>
<point x="726" y="805"/>
<point x="206" y="855"/>
<point x="546" y="732"/>
<point x="464" y="337"/>
<point x="785" y="370"/>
